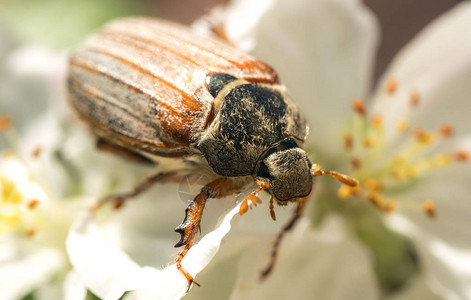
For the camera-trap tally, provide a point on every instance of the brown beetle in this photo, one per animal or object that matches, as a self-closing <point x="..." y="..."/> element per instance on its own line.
<point x="152" y="88"/>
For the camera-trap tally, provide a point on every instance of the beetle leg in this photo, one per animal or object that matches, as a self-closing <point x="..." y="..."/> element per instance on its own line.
<point x="279" y="238"/>
<point x="190" y="226"/>
<point x="252" y="198"/>
<point x="119" y="199"/>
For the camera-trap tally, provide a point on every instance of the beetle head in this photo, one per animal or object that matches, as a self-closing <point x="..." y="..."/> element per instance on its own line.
<point x="289" y="173"/>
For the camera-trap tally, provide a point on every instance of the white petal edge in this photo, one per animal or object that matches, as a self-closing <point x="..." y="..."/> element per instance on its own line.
<point x="323" y="51"/>
<point x="108" y="272"/>
<point x="437" y="66"/>
<point x="312" y="264"/>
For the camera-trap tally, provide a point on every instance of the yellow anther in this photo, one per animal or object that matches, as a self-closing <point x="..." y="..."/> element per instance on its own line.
<point x="372" y="185"/>
<point x="9" y="192"/>
<point x="446" y="130"/>
<point x="375" y="199"/>
<point x="411" y="172"/>
<point x="441" y="160"/>
<point x="398" y="161"/>
<point x="36" y="151"/>
<point x="31" y="232"/>
<point x="356" y="163"/>
<point x="377" y="122"/>
<point x="402" y="125"/>
<point x="423" y="136"/>
<point x="390" y="206"/>
<point x="414" y="99"/>
<point x="359" y="107"/>
<point x="5" y="123"/>
<point x="33" y="203"/>
<point x="391" y="85"/>
<point x="430" y="209"/>
<point x="347" y="141"/>
<point x="344" y="192"/>
<point x="461" y="156"/>
<point x="368" y="141"/>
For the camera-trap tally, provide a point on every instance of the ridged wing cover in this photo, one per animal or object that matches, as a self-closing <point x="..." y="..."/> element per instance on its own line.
<point x="141" y="83"/>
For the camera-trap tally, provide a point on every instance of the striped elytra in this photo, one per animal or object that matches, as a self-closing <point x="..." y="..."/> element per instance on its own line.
<point x="141" y="83"/>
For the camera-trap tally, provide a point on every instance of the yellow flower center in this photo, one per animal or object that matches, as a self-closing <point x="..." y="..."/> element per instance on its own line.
<point x="379" y="172"/>
<point x="17" y="212"/>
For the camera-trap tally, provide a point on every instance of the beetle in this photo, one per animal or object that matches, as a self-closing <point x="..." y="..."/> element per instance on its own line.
<point x="150" y="88"/>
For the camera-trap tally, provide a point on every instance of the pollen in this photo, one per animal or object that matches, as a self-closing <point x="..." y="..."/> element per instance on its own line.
<point x="359" y="107"/>
<point x="391" y="85"/>
<point x="356" y="163"/>
<point x="377" y="122"/>
<point x="423" y="136"/>
<point x="32" y="204"/>
<point x="346" y="191"/>
<point x="36" y="151"/>
<point x="402" y="125"/>
<point x="446" y="130"/>
<point x="383" y="174"/>
<point x="391" y="206"/>
<point x="373" y="185"/>
<point x="430" y="209"/>
<point x="461" y="156"/>
<point x="368" y="141"/>
<point x="414" y="99"/>
<point x="18" y="213"/>
<point x="347" y="141"/>
<point x="5" y="123"/>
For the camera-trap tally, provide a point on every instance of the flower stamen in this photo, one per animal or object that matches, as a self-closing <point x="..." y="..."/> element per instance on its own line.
<point x="461" y="156"/>
<point x="402" y="125"/>
<point x="5" y="123"/>
<point x="446" y="130"/>
<point x="430" y="209"/>
<point x="359" y="107"/>
<point x="391" y="85"/>
<point x="414" y="99"/>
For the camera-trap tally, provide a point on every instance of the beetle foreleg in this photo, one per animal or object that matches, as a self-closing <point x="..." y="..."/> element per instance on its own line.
<point x="252" y="198"/>
<point x="279" y="238"/>
<point x="190" y="226"/>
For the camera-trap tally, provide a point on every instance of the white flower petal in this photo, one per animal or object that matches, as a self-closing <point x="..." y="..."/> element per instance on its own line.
<point x="436" y="65"/>
<point x="103" y="268"/>
<point x="325" y="264"/>
<point x="73" y="288"/>
<point x="444" y="243"/>
<point x="446" y="268"/>
<point x="108" y="272"/>
<point x="416" y="289"/>
<point x="323" y="51"/>
<point x="169" y="283"/>
<point x="25" y="267"/>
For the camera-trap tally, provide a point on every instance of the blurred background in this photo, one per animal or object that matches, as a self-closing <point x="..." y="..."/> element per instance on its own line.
<point x="63" y="23"/>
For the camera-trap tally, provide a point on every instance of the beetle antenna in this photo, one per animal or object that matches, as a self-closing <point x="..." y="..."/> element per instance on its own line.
<point x="345" y="179"/>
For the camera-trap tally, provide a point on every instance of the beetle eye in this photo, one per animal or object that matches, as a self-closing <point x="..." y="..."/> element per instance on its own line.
<point x="287" y="144"/>
<point x="263" y="171"/>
